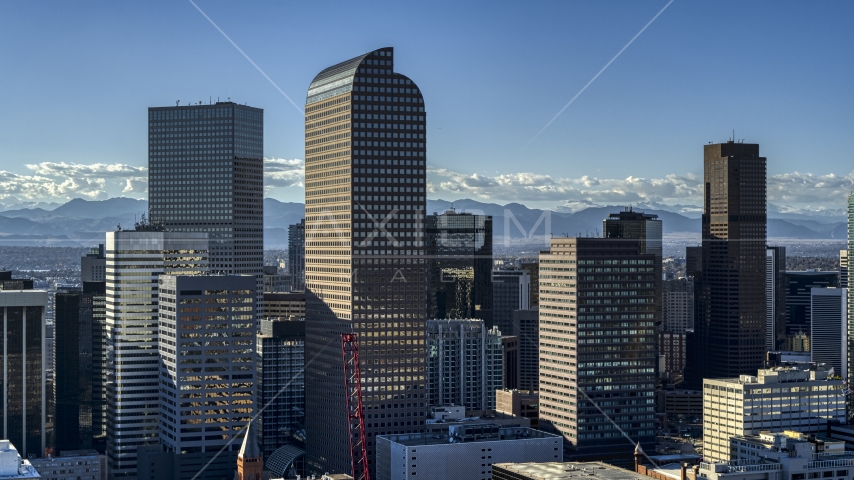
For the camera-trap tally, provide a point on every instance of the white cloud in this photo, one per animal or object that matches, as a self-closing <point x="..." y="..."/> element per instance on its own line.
<point x="804" y="190"/>
<point x="283" y="173"/>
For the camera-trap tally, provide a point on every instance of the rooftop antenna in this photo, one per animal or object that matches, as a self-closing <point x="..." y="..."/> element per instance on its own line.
<point x="177" y="102"/>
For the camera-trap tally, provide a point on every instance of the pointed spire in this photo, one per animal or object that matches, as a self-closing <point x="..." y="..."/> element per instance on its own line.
<point x="250" y="449"/>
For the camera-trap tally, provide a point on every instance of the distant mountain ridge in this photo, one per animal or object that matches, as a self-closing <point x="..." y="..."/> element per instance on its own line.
<point x="83" y="222"/>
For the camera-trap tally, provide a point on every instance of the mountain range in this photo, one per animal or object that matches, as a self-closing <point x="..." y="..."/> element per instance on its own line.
<point x="83" y="222"/>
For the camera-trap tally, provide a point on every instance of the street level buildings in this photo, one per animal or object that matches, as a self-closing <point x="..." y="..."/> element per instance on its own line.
<point x="365" y="146"/>
<point x="597" y="346"/>
<point x="463" y="452"/>
<point x="772" y="400"/>
<point x="135" y="261"/>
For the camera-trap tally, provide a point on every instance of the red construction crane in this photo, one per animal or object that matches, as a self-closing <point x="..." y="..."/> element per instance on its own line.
<point x="355" y="410"/>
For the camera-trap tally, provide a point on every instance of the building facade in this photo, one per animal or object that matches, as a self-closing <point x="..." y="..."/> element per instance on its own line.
<point x="365" y="247"/>
<point x="775" y="297"/>
<point x="79" y="369"/>
<point x="296" y="255"/>
<point x="464" y="364"/>
<point x="673" y="347"/>
<point x="773" y="400"/>
<point x="206" y="387"/>
<point x="135" y="260"/>
<point x="798" y="303"/>
<point x="274" y="281"/>
<point x="526" y="325"/>
<point x="76" y="464"/>
<point x="281" y="384"/>
<point x="829" y="328"/>
<point x="463" y="452"/>
<point x="730" y="330"/>
<point x="284" y="305"/>
<point x="24" y="370"/>
<point x="581" y="317"/>
<point x="678" y="307"/>
<point x="511" y="291"/>
<point x="93" y="265"/>
<point x="459" y="255"/>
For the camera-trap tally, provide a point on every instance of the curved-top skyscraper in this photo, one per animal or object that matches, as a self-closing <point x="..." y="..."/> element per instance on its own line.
<point x="365" y="179"/>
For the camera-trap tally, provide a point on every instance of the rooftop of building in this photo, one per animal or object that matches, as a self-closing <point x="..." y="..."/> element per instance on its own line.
<point x="781" y="374"/>
<point x="629" y="214"/>
<point x="566" y="470"/>
<point x="469" y="433"/>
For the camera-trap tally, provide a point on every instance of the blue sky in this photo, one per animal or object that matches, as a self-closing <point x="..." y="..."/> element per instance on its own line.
<point x="78" y="77"/>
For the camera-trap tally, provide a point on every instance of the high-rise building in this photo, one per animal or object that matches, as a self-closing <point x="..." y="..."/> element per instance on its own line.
<point x="284" y="305"/>
<point x="775" y="297"/>
<point x="80" y="401"/>
<point x="843" y="269"/>
<point x="464" y="363"/>
<point x="135" y="260"/>
<point x="533" y="269"/>
<point x="850" y="336"/>
<point x="296" y="255"/>
<point x="510" y="353"/>
<point x="511" y="291"/>
<point x="730" y="330"/>
<point x="798" y="287"/>
<point x="645" y="227"/>
<point x="281" y="384"/>
<point x="275" y="281"/>
<point x="771" y="400"/>
<point x="673" y="349"/>
<point x="365" y="266"/>
<point x="207" y="388"/>
<point x="93" y="265"/>
<point x="693" y="262"/>
<point x="678" y="310"/>
<point x="459" y="256"/>
<point x="526" y="325"/>
<point x="206" y="174"/>
<point x="24" y="368"/>
<point x="829" y="328"/>
<point x="598" y="295"/>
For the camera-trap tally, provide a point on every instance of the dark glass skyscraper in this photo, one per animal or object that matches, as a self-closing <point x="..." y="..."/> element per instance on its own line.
<point x="459" y="256"/>
<point x="205" y="174"/>
<point x="730" y="329"/>
<point x="296" y="255"/>
<point x="365" y="181"/>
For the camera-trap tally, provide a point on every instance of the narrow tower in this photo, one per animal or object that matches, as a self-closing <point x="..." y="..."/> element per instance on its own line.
<point x="250" y="460"/>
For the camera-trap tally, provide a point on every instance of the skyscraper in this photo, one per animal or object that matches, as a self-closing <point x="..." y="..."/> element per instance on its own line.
<point x="678" y="309"/>
<point x="459" y="256"/>
<point x="829" y="328"/>
<point x="843" y="269"/>
<point x="798" y="285"/>
<point x="24" y="367"/>
<point x="207" y="388"/>
<point x="775" y="297"/>
<point x="206" y="174"/>
<point x="93" y="265"/>
<point x="730" y="330"/>
<point x="511" y="291"/>
<point x="296" y="255"/>
<point x="598" y="295"/>
<point x="365" y="268"/>
<point x="135" y="260"/>
<point x="79" y="317"/>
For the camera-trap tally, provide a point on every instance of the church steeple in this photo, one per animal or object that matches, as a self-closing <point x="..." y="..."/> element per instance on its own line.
<point x="250" y="460"/>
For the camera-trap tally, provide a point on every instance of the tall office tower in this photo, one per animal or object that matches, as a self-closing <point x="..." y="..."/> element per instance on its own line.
<point x="645" y="227"/>
<point x="526" y="324"/>
<point x="730" y="330"/>
<point x="24" y="368"/>
<point x="678" y="309"/>
<point x="284" y="305"/>
<point x="93" y="265"/>
<point x="464" y="364"/>
<point x="797" y="290"/>
<point x="693" y="262"/>
<point x="829" y="328"/>
<point x="843" y="269"/>
<point x="365" y="268"/>
<point x="850" y="335"/>
<point x="775" y="298"/>
<point x="510" y="353"/>
<point x="135" y="260"/>
<point x="459" y="256"/>
<point x="511" y="291"/>
<point x="275" y="281"/>
<point x="598" y="302"/>
<point x="206" y="387"/>
<point x="78" y="367"/>
<point x="281" y="384"/>
<point x="296" y="255"/>
<point x="206" y="174"/>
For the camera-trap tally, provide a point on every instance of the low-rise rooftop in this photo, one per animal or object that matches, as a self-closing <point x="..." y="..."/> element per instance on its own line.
<point x="566" y="470"/>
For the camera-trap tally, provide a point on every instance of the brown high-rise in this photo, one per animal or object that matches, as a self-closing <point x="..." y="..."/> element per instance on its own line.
<point x="730" y="328"/>
<point x="365" y="270"/>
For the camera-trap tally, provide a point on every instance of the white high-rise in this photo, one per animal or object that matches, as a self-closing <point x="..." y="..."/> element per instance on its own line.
<point x="829" y="328"/>
<point x="135" y="260"/>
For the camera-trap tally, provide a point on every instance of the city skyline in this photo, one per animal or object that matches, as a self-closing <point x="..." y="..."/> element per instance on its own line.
<point x="773" y="105"/>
